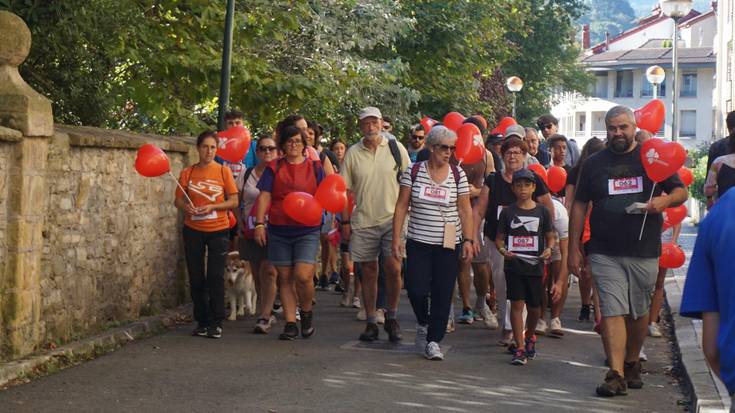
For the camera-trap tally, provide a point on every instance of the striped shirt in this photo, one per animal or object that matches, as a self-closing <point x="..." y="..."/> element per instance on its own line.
<point x="426" y="220"/>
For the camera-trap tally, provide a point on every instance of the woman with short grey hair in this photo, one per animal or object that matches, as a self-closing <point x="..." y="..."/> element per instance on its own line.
<point x="439" y="233"/>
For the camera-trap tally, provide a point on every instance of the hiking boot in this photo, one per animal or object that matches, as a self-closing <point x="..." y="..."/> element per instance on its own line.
<point x="519" y="358"/>
<point x="614" y="385"/>
<point x="371" y="332"/>
<point x="433" y="352"/>
<point x="632" y="373"/>
<point x="555" y="328"/>
<point x="306" y="328"/>
<point x="200" y="331"/>
<point x="214" y="332"/>
<point x="290" y="332"/>
<point x="393" y="329"/>
<point x="467" y="316"/>
<point x="584" y="313"/>
<point x="530" y="348"/>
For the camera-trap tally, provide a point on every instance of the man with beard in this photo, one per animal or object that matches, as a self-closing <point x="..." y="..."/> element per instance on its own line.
<point x="416" y="141"/>
<point x="624" y="268"/>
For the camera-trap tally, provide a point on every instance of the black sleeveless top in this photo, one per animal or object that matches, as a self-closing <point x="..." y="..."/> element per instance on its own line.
<point x="725" y="179"/>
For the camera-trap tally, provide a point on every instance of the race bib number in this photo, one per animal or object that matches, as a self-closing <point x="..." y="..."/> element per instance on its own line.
<point x="434" y="194"/>
<point x="620" y="186"/>
<point x="211" y="215"/>
<point x="523" y="243"/>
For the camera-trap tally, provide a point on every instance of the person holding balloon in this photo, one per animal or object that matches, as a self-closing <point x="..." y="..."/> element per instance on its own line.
<point x="292" y="234"/>
<point x="206" y="192"/>
<point x="625" y="238"/>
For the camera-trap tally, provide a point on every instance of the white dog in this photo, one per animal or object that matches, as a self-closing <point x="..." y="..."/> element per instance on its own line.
<point x="239" y="286"/>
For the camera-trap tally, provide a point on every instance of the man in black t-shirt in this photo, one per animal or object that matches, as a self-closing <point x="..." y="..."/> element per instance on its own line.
<point x="624" y="268"/>
<point x="524" y="238"/>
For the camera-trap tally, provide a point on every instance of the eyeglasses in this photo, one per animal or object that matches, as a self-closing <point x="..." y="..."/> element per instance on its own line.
<point x="417" y="137"/>
<point x="294" y="142"/>
<point x="547" y="126"/>
<point x="267" y="148"/>
<point x="513" y="153"/>
<point x="446" y="148"/>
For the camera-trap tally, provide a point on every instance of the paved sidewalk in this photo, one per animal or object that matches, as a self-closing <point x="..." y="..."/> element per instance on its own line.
<point x="709" y="393"/>
<point x="252" y="373"/>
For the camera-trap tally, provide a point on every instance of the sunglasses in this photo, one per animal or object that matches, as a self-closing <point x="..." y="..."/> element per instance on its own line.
<point x="446" y="148"/>
<point x="267" y="148"/>
<point x="417" y="137"/>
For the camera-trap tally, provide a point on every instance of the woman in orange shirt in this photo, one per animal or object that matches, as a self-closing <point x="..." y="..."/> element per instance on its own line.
<point x="212" y="191"/>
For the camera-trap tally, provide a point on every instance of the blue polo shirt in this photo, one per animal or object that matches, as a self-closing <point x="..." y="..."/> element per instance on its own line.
<point x="710" y="283"/>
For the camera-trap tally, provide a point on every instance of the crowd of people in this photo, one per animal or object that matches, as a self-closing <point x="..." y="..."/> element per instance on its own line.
<point x="421" y="220"/>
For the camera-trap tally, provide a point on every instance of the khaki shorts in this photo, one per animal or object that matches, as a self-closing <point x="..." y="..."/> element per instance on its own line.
<point x="625" y="285"/>
<point x="484" y="254"/>
<point x="366" y="244"/>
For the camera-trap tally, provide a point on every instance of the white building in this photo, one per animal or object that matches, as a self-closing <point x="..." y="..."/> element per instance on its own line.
<point x="725" y="87"/>
<point x="619" y="65"/>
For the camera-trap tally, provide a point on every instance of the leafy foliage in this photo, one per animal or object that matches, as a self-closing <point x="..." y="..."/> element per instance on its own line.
<point x="613" y="16"/>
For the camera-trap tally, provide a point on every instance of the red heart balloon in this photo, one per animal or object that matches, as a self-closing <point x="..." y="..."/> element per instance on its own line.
<point x="686" y="175"/>
<point x="651" y="116"/>
<point x="540" y="171"/>
<point x="477" y="151"/>
<point x="557" y="177"/>
<point x="504" y="123"/>
<point x="453" y="120"/>
<point x="466" y="140"/>
<point x="233" y="144"/>
<point x="303" y="208"/>
<point x="427" y="123"/>
<point x="675" y="215"/>
<point x="332" y="193"/>
<point x="151" y="161"/>
<point x="672" y="256"/>
<point x="662" y="159"/>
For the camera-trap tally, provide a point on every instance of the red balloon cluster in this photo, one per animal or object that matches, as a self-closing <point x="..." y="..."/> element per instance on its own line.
<point x="662" y="159"/>
<point x="539" y="170"/>
<point x="233" y="143"/>
<point x="557" y="178"/>
<point x="151" y="161"/>
<point x="470" y="147"/>
<point x="673" y="216"/>
<point x="307" y="209"/>
<point x="686" y="175"/>
<point x="332" y="193"/>
<point x="651" y="116"/>
<point x="672" y="256"/>
<point x="453" y="120"/>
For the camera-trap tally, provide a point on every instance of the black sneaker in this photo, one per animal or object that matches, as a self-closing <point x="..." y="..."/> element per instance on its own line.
<point x="306" y="328"/>
<point x="371" y="332"/>
<point x="584" y="313"/>
<point x="200" y="331"/>
<point x="290" y="332"/>
<point x="393" y="329"/>
<point x="214" y="332"/>
<point x="323" y="283"/>
<point x="334" y="278"/>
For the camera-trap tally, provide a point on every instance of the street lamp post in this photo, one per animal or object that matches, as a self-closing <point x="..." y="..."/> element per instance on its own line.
<point x="224" y="86"/>
<point x="676" y="9"/>
<point x="514" y="84"/>
<point x="655" y="76"/>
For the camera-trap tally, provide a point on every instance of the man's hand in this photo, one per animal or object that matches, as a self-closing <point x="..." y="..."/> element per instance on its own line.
<point x="556" y="292"/>
<point x="468" y="251"/>
<point x="658" y="204"/>
<point x="546" y="254"/>
<point x="574" y="261"/>
<point x="398" y="250"/>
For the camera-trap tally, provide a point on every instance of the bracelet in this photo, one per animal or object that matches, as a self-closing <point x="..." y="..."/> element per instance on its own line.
<point x="259" y="226"/>
<point x="471" y="241"/>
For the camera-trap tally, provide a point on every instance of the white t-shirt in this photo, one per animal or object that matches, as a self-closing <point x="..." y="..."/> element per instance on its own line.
<point x="561" y="220"/>
<point x="433" y="205"/>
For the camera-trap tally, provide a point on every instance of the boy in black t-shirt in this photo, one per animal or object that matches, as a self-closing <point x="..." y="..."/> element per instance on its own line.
<point x="526" y="229"/>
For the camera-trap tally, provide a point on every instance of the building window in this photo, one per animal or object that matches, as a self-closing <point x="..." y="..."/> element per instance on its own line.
<point x="688" y="85"/>
<point x="600" y="90"/>
<point x="688" y="123"/>
<point x="624" y="84"/>
<point x="647" y="88"/>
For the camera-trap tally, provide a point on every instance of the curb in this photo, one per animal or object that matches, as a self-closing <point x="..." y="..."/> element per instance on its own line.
<point x="45" y="362"/>
<point x="707" y="392"/>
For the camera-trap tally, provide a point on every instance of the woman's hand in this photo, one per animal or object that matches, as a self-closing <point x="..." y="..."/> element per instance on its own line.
<point x="190" y="209"/>
<point x="468" y="251"/>
<point x="259" y="234"/>
<point x="204" y="210"/>
<point x="398" y="249"/>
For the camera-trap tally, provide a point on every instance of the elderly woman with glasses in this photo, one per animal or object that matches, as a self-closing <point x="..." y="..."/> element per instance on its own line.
<point x="497" y="194"/>
<point x="439" y="235"/>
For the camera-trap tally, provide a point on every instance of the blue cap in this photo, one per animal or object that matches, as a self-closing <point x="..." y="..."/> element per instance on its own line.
<point x="524" y="174"/>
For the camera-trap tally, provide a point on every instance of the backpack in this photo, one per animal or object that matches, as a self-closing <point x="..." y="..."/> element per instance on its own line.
<point x="417" y="165"/>
<point x="393" y="145"/>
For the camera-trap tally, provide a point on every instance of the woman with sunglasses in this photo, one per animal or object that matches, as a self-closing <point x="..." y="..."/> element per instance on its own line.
<point x="416" y="142"/>
<point x="292" y="246"/>
<point x="497" y="194"/>
<point x="439" y="234"/>
<point x="263" y="271"/>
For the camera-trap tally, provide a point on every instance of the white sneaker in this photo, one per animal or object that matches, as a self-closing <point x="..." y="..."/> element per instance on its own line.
<point x="433" y="352"/>
<point x="356" y="302"/>
<point x="642" y="356"/>
<point x="654" y="330"/>
<point x="490" y="320"/>
<point x="555" y="327"/>
<point x="361" y="316"/>
<point x="420" y="340"/>
<point x="541" y="327"/>
<point x="450" y="323"/>
<point x="380" y="316"/>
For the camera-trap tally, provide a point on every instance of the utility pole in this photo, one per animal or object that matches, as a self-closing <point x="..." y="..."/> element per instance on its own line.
<point x="224" y="87"/>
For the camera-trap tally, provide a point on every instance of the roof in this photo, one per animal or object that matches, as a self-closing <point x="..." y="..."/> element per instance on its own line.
<point x="651" y="56"/>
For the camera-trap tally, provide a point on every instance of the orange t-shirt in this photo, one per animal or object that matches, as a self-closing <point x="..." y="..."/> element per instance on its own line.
<point x="205" y="186"/>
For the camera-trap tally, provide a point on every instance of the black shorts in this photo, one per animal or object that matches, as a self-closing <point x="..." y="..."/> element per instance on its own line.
<point x="233" y="233"/>
<point x="344" y="247"/>
<point x="251" y="251"/>
<point x="523" y="287"/>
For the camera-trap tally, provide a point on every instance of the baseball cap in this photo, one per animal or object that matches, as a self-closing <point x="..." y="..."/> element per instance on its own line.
<point x="515" y="130"/>
<point x="524" y="174"/>
<point x="370" y="111"/>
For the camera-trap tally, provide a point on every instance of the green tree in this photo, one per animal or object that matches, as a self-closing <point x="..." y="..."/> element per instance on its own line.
<point x="612" y="16"/>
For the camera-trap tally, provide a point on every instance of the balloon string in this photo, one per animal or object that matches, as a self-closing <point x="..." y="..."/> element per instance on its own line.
<point x="646" y="214"/>
<point x="182" y="188"/>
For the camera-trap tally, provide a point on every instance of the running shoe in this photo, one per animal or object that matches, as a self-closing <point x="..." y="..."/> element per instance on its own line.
<point x="531" y="348"/>
<point x="519" y="358"/>
<point x="345" y="302"/>
<point x="420" y="340"/>
<point x="356" y="302"/>
<point x="380" y="316"/>
<point x="654" y="330"/>
<point x="393" y="329"/>
<point x="642" y="356"/>
<point x="584" y="314"/>
<point x="306" y="328"/>
<point x="200" y="331"/>
<point x="541" y="327"/>
<point x="290" y="332"/>
<point x="277" y="307"/>
<point x="262" y="326"/>
<point x="214" y="332"/>
<point x="490" y="319"/>
<point x="467" y="316"/>
<point x="555" y="328"/>
<point x="334" y="278"/>
<point x="371" y="332"/>
<point x="323" y="283"/>
<point x="338" y="289"/>
<point x="361" y="315"/>
<point x="433" y="352"/>
<point x="512" y="348"/>
<point x="614" y="385"/>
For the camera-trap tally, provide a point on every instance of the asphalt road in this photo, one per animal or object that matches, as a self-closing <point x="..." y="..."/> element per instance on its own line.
<point x="244" y="372"/>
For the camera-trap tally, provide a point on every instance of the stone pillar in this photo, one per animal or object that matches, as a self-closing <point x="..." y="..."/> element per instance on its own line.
<point x="25" y="110"/>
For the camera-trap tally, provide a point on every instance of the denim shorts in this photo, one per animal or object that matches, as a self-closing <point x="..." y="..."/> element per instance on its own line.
<point x="286" y="251"/>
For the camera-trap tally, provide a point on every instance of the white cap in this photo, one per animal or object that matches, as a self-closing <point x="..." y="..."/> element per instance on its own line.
<point x="370" y="111"/>
<point x="515" y="130"/>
